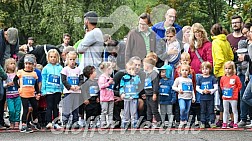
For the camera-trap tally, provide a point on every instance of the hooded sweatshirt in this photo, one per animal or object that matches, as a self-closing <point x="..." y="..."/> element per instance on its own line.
<point x="221" y="52"/>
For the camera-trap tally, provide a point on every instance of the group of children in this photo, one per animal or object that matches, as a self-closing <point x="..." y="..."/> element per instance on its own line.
<point x="161" y="86"/>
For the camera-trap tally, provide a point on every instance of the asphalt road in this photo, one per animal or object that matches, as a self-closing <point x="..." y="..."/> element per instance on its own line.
<point x="140" y="135"/>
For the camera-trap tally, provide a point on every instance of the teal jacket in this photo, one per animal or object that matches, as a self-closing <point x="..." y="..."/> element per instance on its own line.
<point x="130" y="86"/>
<point x="51" y="79"/>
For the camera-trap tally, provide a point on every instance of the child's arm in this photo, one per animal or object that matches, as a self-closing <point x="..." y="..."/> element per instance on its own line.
<point x="64" y="81"/>
<point x="15" y="80"/>
<point x="174" y="96"/>
<point x="175" y="85"/>
<point x="103" y="83"/>
<point x="44" y="78"/>
<point x="214" y="89"/>
<point x="121" y="90"/>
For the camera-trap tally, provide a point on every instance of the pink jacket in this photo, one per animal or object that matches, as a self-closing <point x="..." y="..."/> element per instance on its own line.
<point x="106" y="94"/>
<point x="206" y="54"/>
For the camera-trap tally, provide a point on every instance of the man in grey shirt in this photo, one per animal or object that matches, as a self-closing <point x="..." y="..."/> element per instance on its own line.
<point x="91" y="47"/>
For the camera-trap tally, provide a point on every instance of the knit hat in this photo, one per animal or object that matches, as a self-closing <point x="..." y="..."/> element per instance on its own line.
<point x="168" y="69"/>
<point x="12" y="34"/>
<point x="242" y="46"/>
<point x="29" y="59"/>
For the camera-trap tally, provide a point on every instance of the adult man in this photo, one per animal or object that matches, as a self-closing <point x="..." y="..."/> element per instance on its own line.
<point x="66" y="41"/>
<point x="161" y="27"/>
<point x="8" y="48"/>
<point x="141" y="40"/>
<point x="30" y="44"/>
<point x="92" y="44"/>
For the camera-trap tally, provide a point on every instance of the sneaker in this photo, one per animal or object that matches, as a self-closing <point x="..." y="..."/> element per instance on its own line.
<point x="235" y="126"/>
<point x="81" y="123"/>
<point x="241" y="124"/>
<point x="57" y="126"/>
<point x="219" y="123"/>
<point x="248" y="126"/>
<point x="224" y="125"/>
<point x="25" y="129"/>
<point x="49" y="125"/>
<point x="212" y="125"/>
<point x="76" y="126"/>
<point x="231" y="124"/>
<point x="202" y="126"/>
<point x="35" y="125"/>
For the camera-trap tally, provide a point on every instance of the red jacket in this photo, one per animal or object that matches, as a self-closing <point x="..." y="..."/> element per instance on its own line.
<point x="206" y="54"/>
<point x="231" y="82"/>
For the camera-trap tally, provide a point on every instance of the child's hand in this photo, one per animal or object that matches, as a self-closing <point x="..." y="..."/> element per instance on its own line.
<point x="181" y="92"/>
<point x="72" y="88"/>
<point x="77" y="88"/>
<point x="122" y="96"/>
<point x="154" y="97"/>
<point x="38" y="96"/>
<point x="86" y="102"/>
<point x="111" y="81"/>
<point x="10" y="84"/>
<point x="193" y="100"/>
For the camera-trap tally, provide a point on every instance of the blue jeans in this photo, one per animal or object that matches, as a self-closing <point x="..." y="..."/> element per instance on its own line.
<point x="247" y="96"/>
<point x="184" y="106"/>
<point x="207" y="109"/>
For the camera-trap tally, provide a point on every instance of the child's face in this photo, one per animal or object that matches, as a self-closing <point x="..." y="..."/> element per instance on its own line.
<point x="162" y="74"/>
<point x="229" y="70"/>
<point x="29" y="66"/>
<point x="170" y="37"/>
<point x="93" y="75"/>
<point x="184" y="71"/>
<point x="71" y="60"/>
<point x="12" y="66"/>
<point x="205" y="71"/>
<point x="63" y="56"/>
<point x="145" y="66"/>
<point x="185" y="60"/>
<point x="109" y="70"/>
<point x="138" y="65"/>
<point x="53" y="58"/>
<point x="131" y="69"/>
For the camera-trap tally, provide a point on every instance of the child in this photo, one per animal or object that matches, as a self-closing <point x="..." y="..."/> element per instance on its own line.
<point x="207" y="86"/>
<point x="52" y="88"/>
<point x="151" y="91"/>
<point x="27" y="82"/>
<point x="154" y="56"/>
<point x="12" y="95"/>
<point x="72" y="79"/>
<point x="90" y="92"/>
<point x="230" y="85"/>
<point x="170" y="51"/>
<point x="105" y="83"/>
<point x="167" y="95"/>
<point x="184" y="86"/>
<point x="130" y="93"/>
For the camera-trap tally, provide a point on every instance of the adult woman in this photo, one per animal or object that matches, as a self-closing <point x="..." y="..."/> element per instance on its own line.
<point x="200" y="47"/>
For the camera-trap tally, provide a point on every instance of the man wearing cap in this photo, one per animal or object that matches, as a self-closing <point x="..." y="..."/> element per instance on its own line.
<point x="9" y="44"/>
<point x="8" y="48"/>
<point x="91" y="47"/>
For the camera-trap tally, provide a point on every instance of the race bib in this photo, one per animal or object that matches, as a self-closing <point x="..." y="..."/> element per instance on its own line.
<point x="28" y="81"/>
<point x="130" y="89"/>
<point x="12" y="89"/>
<point x="227" y="92"/>
<point x="93" y="90"/>
<point x="187" y="87"/>
<point x="206" y="85"/>
<point x="232" y="81"/>
<point x="54" y="79"/>
<point x="73" y="80"/>
<point x="164" y="90"/>
<point x="111" y="87"/>
<point x="147" y="83"/>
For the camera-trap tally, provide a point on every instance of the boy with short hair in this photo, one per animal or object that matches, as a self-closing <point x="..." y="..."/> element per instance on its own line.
<point x="151" y="90"/>
<point x="130" y="93"/>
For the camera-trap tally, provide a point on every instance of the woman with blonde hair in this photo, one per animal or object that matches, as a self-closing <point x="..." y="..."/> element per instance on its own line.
<point x="200" y="47"/>
<point x="186" y="35"/>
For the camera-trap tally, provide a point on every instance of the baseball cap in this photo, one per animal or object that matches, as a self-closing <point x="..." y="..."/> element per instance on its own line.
<point x="29" y="59"/>
<point x="12" y="34"/>
<point x="242" y="46"/>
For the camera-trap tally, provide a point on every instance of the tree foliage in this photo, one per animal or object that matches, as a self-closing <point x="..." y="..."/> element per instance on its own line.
<point x="47" y="20"/>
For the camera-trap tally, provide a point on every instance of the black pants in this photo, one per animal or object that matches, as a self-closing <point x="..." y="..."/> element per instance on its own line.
<point x="152" y="109"/>
<point x="176" y="112"/>
<point x="52" y="101"/>
<point x="2" y="102"/>
<point x="25" y="104"/>
<point x="207" y="111"/>
<point x="93" y="109"/>
<point x="195" y="111"/>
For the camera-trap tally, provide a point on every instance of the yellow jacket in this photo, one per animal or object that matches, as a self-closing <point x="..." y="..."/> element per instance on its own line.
<point x="221" y="52"/>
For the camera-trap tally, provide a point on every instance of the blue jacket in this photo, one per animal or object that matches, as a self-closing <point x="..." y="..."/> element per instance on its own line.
<point x="130" y="85"/>
<point x="167" y="96"/>
<point x="51" y="79"/>
<point x="14" y="48"/>
<point x="160" y="30"/>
